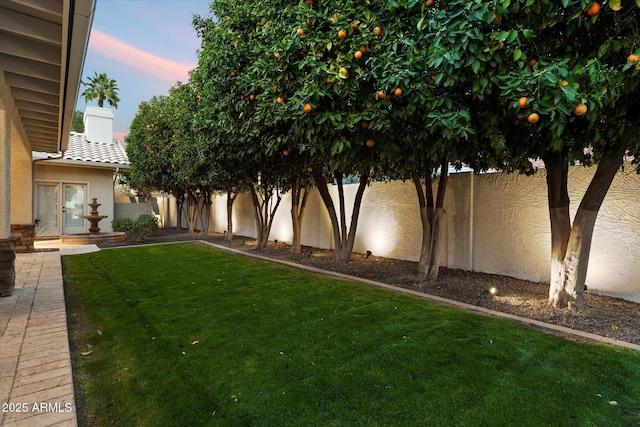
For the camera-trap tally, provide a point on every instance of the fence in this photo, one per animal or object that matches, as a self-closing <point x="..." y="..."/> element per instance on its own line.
<point x="495" y="223"/>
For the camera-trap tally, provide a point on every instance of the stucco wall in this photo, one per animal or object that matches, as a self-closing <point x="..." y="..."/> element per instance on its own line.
<point x="99" y="185"/>
<point x="495" y="223"/>
<point x="21" y="179"/>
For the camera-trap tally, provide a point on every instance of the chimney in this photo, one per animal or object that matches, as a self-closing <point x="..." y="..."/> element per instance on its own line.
<point x="98" y="125"/>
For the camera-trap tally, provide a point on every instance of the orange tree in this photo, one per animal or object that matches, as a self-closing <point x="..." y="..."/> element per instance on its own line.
<point x="237" y="141"/>
<point x="428" y="116"/>
<point x="162" y="156"/>
<point x="271" y="82"/>
<point x="560" y="81"/>
<point x="318" y="66"/>
<point x="151" y="151"/>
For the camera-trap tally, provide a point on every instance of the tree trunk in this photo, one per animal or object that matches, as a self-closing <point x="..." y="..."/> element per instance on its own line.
<point x="431" y="215"/>
<point x="207" y="206"/>
<point x="343" y="238"/>
<point x="179" y="208"/>
<point x="231" y="197"/>
<point x="264" y="211"/>
<point x="299" y="196"/>
<point x="191" y="211"/>
<point x="571" y="244"/>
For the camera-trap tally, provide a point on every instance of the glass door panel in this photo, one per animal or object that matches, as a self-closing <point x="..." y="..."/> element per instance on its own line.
<point x="73" y="208"/>
<point x="47" y="212"/>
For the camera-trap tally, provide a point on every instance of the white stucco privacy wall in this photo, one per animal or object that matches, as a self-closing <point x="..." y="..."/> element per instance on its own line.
<point x="494" y="223"/>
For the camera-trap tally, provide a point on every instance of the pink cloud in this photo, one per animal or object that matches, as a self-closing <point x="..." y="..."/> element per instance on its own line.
<point x="164" y="69"/>
<point x="120" y="135"/>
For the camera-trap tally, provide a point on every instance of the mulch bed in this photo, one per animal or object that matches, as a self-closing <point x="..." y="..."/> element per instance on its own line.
<point x="606" y="316"/>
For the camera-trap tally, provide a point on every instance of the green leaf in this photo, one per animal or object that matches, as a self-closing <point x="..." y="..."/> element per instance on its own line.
<point x="475" y="66"/>
<point x="569" y="93"/>
<point x="603" y="49"/>
<point x="528" y="33"/>
<point x="615" y="4"/>
<point x="517" y="54"/>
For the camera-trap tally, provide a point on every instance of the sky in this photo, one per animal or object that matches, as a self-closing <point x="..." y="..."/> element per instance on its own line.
<point x="146" y="46"/>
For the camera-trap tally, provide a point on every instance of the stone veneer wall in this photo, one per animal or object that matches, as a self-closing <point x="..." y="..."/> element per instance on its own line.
<point x="25" y="234"/>
<point x="7" y="266"/>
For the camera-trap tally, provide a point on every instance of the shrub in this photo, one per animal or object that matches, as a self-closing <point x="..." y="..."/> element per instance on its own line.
<point x="122" y="224"/>
<point x="144" y="226"/>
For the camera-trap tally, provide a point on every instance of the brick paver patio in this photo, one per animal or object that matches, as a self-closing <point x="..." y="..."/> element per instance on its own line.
<point x="36" y="382"/>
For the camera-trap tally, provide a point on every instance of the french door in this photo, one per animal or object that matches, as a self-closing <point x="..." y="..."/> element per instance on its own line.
<point x="60" y="207"/>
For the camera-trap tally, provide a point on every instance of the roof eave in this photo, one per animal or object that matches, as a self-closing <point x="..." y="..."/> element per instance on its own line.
<point x="79" y="16"/>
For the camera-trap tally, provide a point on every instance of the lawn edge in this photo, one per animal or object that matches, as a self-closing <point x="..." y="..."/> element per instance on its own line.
<point x="444" y="301"/>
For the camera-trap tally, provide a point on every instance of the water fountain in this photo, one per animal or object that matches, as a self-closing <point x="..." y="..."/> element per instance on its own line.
<point x="94" y="235"/>
<point x="94" y="218"/>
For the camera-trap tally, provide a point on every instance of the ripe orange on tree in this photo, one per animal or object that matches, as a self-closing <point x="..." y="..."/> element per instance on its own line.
<point x="533" y="118"/>
<point x="398" y="92"/>
<point x="429" y="3"/>
<point x="364" y="124"/>
<point x="495" y="20"/>
<point x="343" y="72"/>
<point x="342" y="34"/>
<point x="280" y="100"/>
<point x="233" y="74"/>
<point x="501" y="46"/>
<point x="307" y="108"/>
<point x="285" y="153"/>
<point x="382" y="94"/>
<point x="300" y="32"/>
<point x="377" y="31"/>
<point x="522" y="102"/>
<point x="564" y="83"/>
<point x="533" y="62"/>
<point x="580" y="109"/>
<point x="309" y="169"/>
<point x="355" y="25"/>
<point x="370" y="143"/>
<point x="633" y="58"/>
<point x="277" y="55"/>
<point x="358" y="54"/>
<point x="594" y="9"/>
<point x="252" y="97"/>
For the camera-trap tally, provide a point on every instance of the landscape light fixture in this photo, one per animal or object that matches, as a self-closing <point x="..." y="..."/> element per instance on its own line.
<point x="368" y="254"/>
<point x="493" y="290"/>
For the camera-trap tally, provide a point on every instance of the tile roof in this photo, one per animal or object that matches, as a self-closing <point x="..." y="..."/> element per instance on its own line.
<point x="79" y="149"/>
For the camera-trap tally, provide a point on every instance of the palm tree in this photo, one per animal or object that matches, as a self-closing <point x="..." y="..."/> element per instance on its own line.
<point x="101" y="87"/>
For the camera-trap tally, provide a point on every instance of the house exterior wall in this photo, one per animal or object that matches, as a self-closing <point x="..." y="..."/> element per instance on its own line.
<point x="5" y="172"/>
<point x="21" y="180"/>
<point x="495" y="223"/>
<point x="99" y="185"/>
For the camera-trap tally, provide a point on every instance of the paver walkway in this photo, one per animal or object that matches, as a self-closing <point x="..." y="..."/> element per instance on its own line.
<point x="36" y="382"/>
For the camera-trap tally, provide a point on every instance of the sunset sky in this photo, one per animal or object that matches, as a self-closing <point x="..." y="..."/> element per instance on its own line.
<point x="146" y="46"/>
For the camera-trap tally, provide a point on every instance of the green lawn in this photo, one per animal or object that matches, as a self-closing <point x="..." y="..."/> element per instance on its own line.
<point x="186" y="335"/>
